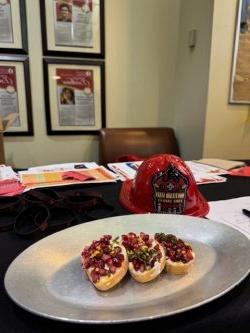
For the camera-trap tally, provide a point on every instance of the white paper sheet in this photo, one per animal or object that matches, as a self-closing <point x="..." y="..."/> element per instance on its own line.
<point x="230" y="212"/>
<point x="6" y="172"/>
<point x="205" y="174"/>
<point x="220" y="163"/>
<point x="125" y="170"/>
<point x="65" y="166"/>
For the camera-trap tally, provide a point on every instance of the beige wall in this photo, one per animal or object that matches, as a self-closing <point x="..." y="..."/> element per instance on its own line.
<point x="192" y="76"/>
<point x="141" y="39"/>
<point x="227" y="133"/>
<point x="152" y="79"/>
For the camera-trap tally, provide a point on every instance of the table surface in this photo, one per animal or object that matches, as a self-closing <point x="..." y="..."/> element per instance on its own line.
<point x="228" y="313"/>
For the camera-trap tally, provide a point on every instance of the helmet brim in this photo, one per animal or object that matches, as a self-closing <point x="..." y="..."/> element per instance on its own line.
<point x="201" y="209"/>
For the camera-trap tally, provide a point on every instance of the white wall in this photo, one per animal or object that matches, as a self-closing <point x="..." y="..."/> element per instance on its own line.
<point x="227" y="132"/>
<point x="141" y="39"/>
<point x="192" y="76"/>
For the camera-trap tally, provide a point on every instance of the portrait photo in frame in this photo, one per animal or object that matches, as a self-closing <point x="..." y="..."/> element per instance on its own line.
<point x="15" y="95"/>
<point x="240" y="74"/>
<point x="13" y="27"/>
<point x="73" y="28"/>
<point x="74" y="96"/>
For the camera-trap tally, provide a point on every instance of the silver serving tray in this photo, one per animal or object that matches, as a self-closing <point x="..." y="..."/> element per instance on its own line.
<point x="47" y="278"/>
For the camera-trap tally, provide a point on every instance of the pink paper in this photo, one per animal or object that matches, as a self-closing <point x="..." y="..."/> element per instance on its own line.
<point x="10" y="187"/>
<point x="242" y="172"/>
<point x="77" y="176"/>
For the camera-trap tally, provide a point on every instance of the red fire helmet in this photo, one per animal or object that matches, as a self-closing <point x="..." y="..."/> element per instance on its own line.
<point x="163" y="184"/>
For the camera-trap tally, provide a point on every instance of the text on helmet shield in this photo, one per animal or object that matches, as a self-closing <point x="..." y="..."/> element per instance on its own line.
<point x="169" y="191"/>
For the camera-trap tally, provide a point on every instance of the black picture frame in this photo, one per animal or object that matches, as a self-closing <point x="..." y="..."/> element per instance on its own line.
<point x="21" y="63"/>
<point x="48" y="35"/>
<point x="20" y="44"/>
<point x="52" y="103"/>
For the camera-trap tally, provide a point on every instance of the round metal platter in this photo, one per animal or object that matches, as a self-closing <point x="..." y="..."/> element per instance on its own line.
<point x="47" y="278"/>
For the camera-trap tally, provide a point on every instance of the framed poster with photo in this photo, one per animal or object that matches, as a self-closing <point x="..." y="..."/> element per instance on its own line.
<point x="74" y="95"/>
<point x="13" y="29"/>
<point x="240" y="75"/>
<point x="15" y="96"/>
<point x="73" y="27"/>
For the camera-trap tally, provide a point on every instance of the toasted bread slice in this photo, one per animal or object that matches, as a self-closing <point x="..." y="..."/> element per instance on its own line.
<point x="179" y="254"/>
<point x="105" y="262"/>
<point x="146" y="256"/>
<point x="178" y="267"/>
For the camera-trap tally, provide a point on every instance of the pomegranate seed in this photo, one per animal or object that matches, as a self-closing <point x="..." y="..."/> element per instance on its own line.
<point x="116" y="262"/>
<point x="94" y="277"/>
<point x="106" y="250"/>
<point x="142" y="268"/>
<point x="100" y="264"/>
<point x="106" y="257"/>
<point x="109" y="262"/>
<point x="120" y="256"/>
<point x="103" y="272"/>
<point x="112" y="269"/>
<point x="86" y="263"/>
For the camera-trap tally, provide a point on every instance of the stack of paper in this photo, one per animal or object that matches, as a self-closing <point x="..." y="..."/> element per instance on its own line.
<point x="203" y="174"/>
<point x="6" y="172"/>
<point x="60" y="175"/>
<point x="125" y="170"/>
<point x="9" y="182"/>
<point x="65" y="166"/>
<point x="220" y="163"/>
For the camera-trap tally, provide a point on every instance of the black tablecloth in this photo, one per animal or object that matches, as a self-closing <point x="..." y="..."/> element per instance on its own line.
<point x="229" y="313"/>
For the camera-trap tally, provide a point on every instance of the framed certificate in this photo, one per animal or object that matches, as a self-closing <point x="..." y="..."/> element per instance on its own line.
<point x="240" y="75"/>
<point x="15" y="96"/>
<point x="13" y="29"/>
<point x="74" y="95"/>
<point x="73" y="27"/>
